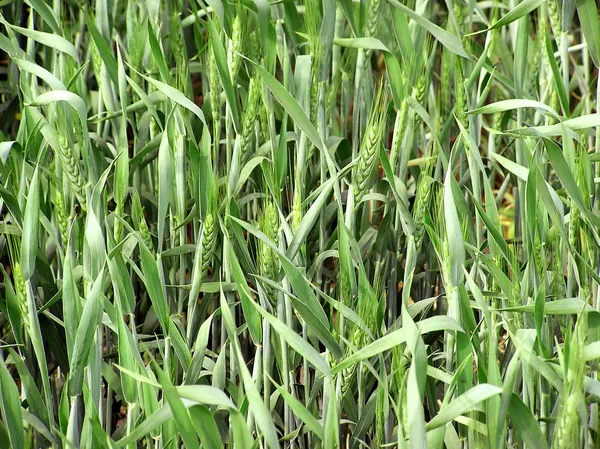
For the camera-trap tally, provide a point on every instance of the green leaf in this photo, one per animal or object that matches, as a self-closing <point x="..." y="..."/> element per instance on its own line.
<point x="182" y="418"/>
<point x="46" y="13"/>
<point x="41" y="73"/>
<point x="152" y="422"/>
<point x="10" y="405"/>
<point x="51" y="40"/>
<point x="309" y="308"/>
<point x="521" y="10"/>
<point x="516" y="169"/>
<point x="587" y="10"/>
<point x="200" y="345"/>
<point x="242" y="438"/>
<point x="463" y="403"/>
<point x="206" y="427"/>
<point x="74" y="100"/>
<point x="127" y="349"/>
<point x="178" y="97"/>
<point x="71" y="304"/>
<point x="400" y="193"/>
<point x="90" y="319"/>
<point x="248" y="306"/>
<point x="305" y="302"/>
<point x="367" y="43"/>
<point x="456" y="247"/>
<point x="527" y="426"/>
<point x="31" y="225"/>
<point x="397" y="337"/>
<point x="165" y="182"/>
<point x="300" y="345"/>
<point x="567" y="306"/>
<point x="447" y="39"/>
<point x="105" y="52"/>
<point x="12" y="204"/>
<point x="301" y="412"/>
<point x="291" y="106"/>
<point x="223" y="69"/>
<point x="259" y="409"/>
<point x="309" y="219"/>
<point x="508" y="105"/>
<point x="557" y="77"/>
<point x="157" y="53"/>
<point x="152" y="280"/>
<point x="568" y="180"/>
<point x="205" y="394"/>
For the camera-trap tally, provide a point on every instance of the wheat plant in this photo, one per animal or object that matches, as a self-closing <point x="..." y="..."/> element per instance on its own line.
<point x="299" y="224"/>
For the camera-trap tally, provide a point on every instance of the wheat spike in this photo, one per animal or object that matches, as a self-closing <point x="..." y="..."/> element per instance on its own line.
<point x="268" y="261"/>
<point x="370" y="146"/>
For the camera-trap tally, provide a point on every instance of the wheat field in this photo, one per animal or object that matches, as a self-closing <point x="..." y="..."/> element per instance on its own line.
<point x="298" y="224"/>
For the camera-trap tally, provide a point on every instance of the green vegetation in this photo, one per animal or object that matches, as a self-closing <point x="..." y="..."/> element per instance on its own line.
<point x="314" y="224"/>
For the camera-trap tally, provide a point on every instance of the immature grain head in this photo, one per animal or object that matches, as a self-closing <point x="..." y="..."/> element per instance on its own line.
<point x="139" y="220"/>
<point x="296" y="210"/>
<point x="399" y="130"/>
<point x="179" y="52"/>
<point x="62" y="217"/>
<point x="237" y="45"/>
<point x="213" y="84"/>
<point x="554" y="11"/>
<point x="373" y="17"/>
<point x="424" y="188"/>
<point x="268" y="261"/>
<point x="71" y="170"/>
<point x="380" y="415"/>
<point x="567" y="431"/>
<point x="460" y="95"/>
<point x="21" y="291"/>
<point x="446" y="81"/>
<point x="369" y="150"/>
<point x="249" y="121"/>
<point x="209" y="239"/>
<point x="264" y="118"/>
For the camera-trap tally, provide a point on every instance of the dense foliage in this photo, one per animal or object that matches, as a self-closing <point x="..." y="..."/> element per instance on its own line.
<point x="314" y="224"/>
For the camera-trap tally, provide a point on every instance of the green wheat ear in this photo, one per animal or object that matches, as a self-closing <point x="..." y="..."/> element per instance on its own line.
<point x="296" y="210"/>
<point x="554" y="8"/>
<point x="62" y="218"/>
<point x="213" y="84"/>
<point x="71" y="170"/>
<point x="21" y="290"/>
<point x="369" y="149"/>
<point x="139" y="220"/>
<point x="253" y="104"/>
<point x="268" y="261"/>
<point x="209" y="240"/>
<point x="567" y="431"/>
<point x="238" y="33"/>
